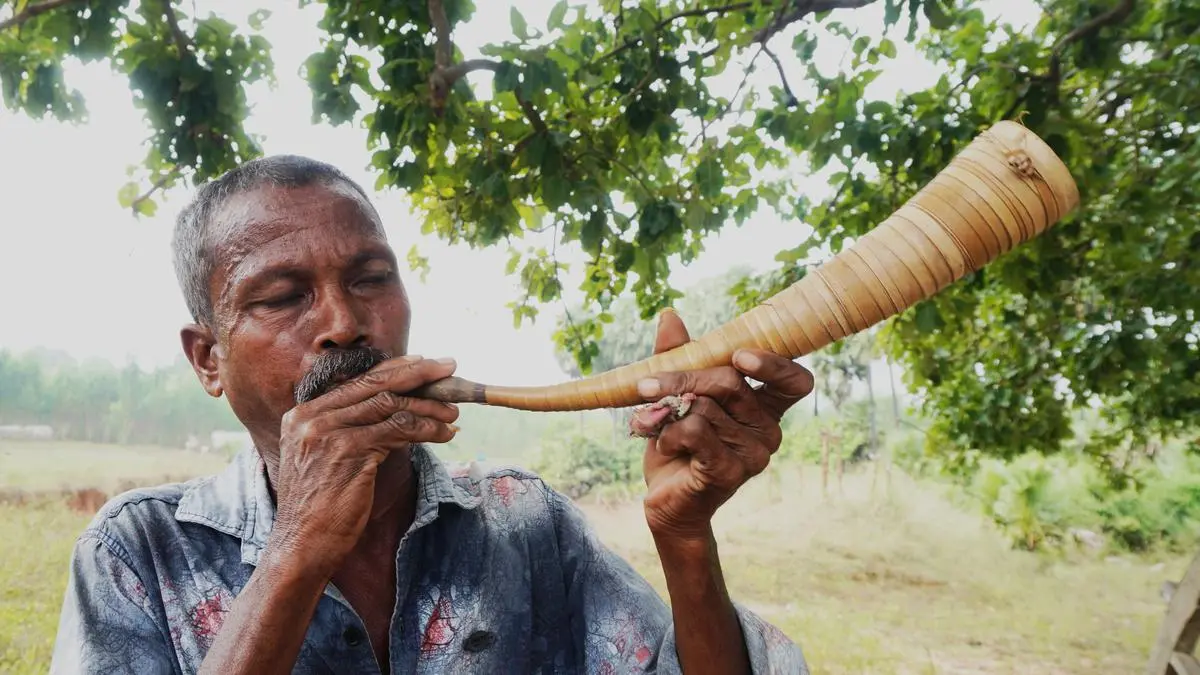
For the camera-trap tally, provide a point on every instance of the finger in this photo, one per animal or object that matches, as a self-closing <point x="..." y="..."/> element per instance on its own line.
<point x="671" y="332"/>
<point x="384" y="404"/>
<point x="403" y="427"/>
<point x="752" y="446"/>
<point x="692" y="436"/>
<point x="724" y="385"/>
<point x="700" y="436"/>
<point x="400" y="374"/>
<point x="784" y="381"/>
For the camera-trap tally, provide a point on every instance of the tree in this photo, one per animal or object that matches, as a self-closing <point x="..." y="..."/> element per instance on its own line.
<point x="603" y="129"/>
<point x="1096" y="312"/>
<point x="98" y="402"/>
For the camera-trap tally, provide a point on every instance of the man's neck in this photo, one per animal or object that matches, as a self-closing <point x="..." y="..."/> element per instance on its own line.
<point x="393" y="507"/>
<point x="395" y="503"/>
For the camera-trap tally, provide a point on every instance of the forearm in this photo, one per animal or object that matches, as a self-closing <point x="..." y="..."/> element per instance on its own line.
<point x="708" y="634"/>
<point x="266" y="625"/>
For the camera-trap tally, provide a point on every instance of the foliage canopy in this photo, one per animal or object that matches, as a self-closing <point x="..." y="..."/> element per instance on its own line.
<point x="603" y="126"/>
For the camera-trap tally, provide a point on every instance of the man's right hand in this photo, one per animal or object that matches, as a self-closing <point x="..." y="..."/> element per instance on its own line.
<point x="330" y="450"/>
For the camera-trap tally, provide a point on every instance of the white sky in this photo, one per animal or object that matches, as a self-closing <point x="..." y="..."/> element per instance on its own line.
<point x="80" y="274"/>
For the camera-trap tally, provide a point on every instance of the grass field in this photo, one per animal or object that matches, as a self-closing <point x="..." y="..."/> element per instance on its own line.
<point x="882" y="577"/>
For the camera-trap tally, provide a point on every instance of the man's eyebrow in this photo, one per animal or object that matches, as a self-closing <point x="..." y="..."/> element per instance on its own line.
<point x="383" y="253"/>
<point x="269" y="273"/>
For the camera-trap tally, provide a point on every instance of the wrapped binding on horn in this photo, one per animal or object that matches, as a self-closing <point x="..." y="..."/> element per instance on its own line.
<point x="1003" y="189"/>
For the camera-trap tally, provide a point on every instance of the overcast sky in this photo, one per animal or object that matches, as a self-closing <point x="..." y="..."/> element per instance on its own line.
<point x="80" y="274"/>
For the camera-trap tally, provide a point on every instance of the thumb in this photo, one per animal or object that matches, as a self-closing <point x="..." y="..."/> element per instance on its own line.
<point x="671" y="332"/>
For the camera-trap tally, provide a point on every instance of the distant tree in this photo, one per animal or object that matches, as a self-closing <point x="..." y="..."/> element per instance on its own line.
<point x="99" y="402"/>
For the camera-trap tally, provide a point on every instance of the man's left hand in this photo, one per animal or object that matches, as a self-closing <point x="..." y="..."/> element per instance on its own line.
<point x="727" y="436"/>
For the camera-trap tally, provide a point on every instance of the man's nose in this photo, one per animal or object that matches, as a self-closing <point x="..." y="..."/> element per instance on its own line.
<point x="340" y="322"/>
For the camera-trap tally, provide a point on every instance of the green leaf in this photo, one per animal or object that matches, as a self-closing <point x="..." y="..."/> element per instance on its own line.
<point x="128" y="193"/>
<point x="592" y="235"/>
<point x="555" y="191"/>
<point x="147" y="207"/>
<point x="927" y="317"/>
<point x="258" y="18"/>
<point x="418" y="263"/>
<point x="709" y="177"/>
<point x="507" y="76"/>
<point x="555" y="20"/>
<point x="519" y="27"/>
<point x="938" y="18"/>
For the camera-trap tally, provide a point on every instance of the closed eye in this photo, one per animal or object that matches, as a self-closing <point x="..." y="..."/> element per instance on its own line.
<point x="282" y="301"/>
<point x="375" y="279"/>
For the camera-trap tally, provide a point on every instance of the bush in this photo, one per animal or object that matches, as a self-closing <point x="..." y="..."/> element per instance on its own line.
<point x="1040" y="502"/>
<point x="1164" y="513"/>
<point x="577" y="463"/>
<point x="1035" y="500"/>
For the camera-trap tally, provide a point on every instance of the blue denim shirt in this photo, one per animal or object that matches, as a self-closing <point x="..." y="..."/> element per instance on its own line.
<point x="498" y="574"/>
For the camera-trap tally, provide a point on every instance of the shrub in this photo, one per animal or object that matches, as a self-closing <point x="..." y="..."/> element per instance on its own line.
<point x="577" y="462"/>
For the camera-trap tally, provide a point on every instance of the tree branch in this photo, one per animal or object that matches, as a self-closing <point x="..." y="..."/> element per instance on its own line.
<point x="729" y="105"/>
<point x="441" y="29"/>
<point x="33" y="10"/>
<point x="458" y="70"/>
<point x="182" y="41"/>
<point x="445" y="74"/>
<point x="700" y="11"/>
<point x="155" y="187"/>
<point x="1118" y="13"/>
<point x="792" y="101"/>
<point x="802" y="9"/>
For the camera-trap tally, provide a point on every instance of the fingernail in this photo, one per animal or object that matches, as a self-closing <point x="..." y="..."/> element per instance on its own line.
<point x="445" y="361"/>
<point x="454" y="428"/>
<point x="453" y="407"/>
<point x="648" y="387"/>
<point x="411" y="358"/>
<point x="747" y="360"/>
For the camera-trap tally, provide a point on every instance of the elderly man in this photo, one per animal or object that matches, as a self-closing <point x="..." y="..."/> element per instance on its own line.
<point x="340" y="543"/>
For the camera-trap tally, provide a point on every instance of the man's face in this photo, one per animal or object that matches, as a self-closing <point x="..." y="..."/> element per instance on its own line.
<point x="302" y="275"/>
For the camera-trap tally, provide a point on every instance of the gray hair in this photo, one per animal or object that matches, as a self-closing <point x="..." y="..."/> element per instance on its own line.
<point x="193" y="244"/>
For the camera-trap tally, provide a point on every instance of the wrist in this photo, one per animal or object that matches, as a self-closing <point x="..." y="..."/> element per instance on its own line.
<point x="288" y="563"/>
<point x="692" y="543"/>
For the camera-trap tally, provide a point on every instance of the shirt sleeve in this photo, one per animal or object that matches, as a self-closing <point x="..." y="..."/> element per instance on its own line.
<point x="624" y="626"/>
<point x="106" y="624"/>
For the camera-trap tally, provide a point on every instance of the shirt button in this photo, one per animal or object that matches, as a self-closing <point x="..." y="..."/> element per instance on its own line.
<point x="353" y="636"/>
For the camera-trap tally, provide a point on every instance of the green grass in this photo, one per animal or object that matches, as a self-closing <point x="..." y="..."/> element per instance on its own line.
<point x="871" y="582"/>
<point x="39" y="466"/>
<point x="33" y="573"/>
<point x="867" y="579"/>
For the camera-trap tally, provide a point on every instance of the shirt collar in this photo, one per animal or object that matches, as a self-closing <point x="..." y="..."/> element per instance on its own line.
<point x="237" y="500"/>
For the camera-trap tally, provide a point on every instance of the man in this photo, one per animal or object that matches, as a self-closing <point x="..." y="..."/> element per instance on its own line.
<point x="340" y="543"/>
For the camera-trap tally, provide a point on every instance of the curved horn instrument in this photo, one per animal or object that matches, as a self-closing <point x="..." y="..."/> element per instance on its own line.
<point x="1003" y="189"/>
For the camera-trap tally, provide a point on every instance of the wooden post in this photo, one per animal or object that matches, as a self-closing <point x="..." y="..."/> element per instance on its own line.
<point x="841" y="472"/>
<point x="836" y="441"/>
<point x="824" y="463"/>
<point x="874" y="476"/>
<point x="1174" y="647"/>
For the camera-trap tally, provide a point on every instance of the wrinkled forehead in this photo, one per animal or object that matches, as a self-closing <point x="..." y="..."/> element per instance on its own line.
<point x="273" y="221"/>
<point x="254" y="217"/>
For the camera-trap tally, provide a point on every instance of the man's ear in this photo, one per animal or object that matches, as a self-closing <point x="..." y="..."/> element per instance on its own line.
<point x="200" y="347"/>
